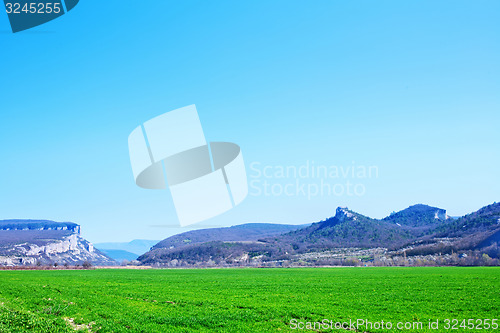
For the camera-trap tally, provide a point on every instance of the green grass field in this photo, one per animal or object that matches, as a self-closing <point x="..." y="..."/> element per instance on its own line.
<point x="243" y="300"/>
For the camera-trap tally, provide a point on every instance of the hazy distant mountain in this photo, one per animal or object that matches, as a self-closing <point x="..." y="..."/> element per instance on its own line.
<point x="28" y="242"/>
<point x="419" y="229"/>
<point x="137" y="246"/>
<point x="120" y="255"/>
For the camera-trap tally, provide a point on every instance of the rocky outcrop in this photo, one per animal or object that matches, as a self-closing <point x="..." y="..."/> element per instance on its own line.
<point x="440" y="214"/>
<point x="30" y="242"/>
<point x="343" y="213"/>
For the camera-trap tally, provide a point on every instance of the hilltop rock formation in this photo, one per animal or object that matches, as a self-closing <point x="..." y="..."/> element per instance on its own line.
<point x="41" y="242"/>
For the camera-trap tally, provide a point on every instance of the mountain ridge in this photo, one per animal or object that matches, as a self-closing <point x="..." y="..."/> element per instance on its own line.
<point x="135" y="246"/>
<point x="418" y="229"/>
<point x="242" y="232"/>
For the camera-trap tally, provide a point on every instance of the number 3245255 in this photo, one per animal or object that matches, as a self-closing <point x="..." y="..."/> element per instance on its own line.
<point x="33" y="8"/>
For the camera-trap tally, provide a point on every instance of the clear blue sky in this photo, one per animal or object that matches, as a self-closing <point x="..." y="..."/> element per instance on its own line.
<point x="412" y="87"/>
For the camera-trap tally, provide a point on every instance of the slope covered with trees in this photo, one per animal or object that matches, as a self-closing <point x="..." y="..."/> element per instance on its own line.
<point x="419" y="230"/>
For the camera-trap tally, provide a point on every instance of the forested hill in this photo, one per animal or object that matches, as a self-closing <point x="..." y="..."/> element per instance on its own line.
<point x="419" y="229"/>
<point x="244" y="232"/>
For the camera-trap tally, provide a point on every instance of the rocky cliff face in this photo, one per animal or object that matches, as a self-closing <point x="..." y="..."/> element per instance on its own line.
<point x="343" y="213"/>
<point x="29" y="242"/>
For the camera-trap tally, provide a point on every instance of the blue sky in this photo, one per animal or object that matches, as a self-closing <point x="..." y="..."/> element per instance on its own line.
<point x="409" y="87"/>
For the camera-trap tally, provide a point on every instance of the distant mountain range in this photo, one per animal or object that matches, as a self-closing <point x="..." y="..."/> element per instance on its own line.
<point x="43" y="242"/>
<point x="418" y="235"/>
<point x="136" y="246"/>
<point x="247" y="232"/>
<point x="126" y="250"/>
<point x="417" y="231"/>
<point x="120" y="255"/>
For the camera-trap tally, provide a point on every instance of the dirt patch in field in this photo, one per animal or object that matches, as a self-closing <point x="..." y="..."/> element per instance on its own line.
<point x="76" y="327"/>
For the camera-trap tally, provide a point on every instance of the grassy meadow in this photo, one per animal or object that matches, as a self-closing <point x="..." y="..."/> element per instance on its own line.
<point x="243" y="300"/>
